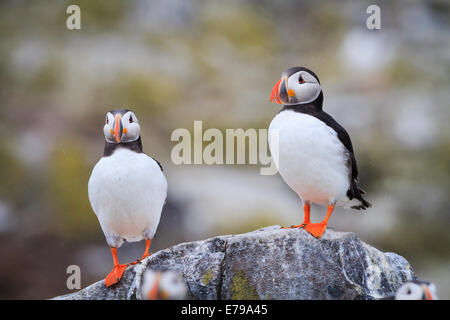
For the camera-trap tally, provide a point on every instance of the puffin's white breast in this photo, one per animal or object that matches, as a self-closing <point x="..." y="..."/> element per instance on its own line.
<point x="127" y="191"/>
<point x="312" y="160"/>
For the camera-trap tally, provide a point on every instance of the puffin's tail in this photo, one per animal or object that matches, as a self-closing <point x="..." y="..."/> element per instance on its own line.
<point x="355" y="195"/>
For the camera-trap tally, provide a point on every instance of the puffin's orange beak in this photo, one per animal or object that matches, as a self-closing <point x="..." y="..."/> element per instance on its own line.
<point x="117" y="130"/>
<point x="164" y="295"/>
<point x="274" y="96"/>
<point x="280" y="92"/>
<point x="153" y="292"/>
<point x="428" y="295"/>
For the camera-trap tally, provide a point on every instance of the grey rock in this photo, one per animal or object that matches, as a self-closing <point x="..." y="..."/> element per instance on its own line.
<point x="270" y="263"/>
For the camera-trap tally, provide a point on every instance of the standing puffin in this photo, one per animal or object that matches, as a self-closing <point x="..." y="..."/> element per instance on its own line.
<point x="127" y="188"/>
<point x="316" y="157"/>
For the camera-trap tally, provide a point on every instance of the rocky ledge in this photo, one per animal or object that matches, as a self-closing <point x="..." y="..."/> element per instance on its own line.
<point x="270" y="263"/>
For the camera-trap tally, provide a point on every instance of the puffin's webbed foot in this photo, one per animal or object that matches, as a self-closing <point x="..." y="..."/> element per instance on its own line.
<point x="316" y="229"/>
<point x="115" y="275"/>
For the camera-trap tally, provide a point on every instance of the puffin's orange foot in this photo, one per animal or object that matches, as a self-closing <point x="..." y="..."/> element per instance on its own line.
<point x="115" y="275"/>
<point x="293" y="227"/>
<point x="316" y="229"/>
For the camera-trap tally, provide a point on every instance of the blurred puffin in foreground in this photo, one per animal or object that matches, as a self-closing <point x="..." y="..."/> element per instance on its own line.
<point x="167" y="285"/>
<point x="415" y="290"/>
<point x="315" y="153"/>
<point x="127" y="189"/>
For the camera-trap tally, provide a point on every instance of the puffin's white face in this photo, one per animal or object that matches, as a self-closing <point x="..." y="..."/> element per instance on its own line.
<point x="163" y="285"/>
<point x="415" y="291"/>
<point x="173" y="285"/>
<point x="295" y="87"/>
<point x="121" y="127"/>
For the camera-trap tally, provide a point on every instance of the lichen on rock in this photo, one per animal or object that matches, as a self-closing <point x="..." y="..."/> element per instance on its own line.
<point x="207" y="277"/>
<point x="241" y="289"/>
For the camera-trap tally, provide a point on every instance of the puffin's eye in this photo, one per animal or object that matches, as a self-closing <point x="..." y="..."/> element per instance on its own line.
<point x="300" y="79"/>
<point x="131" y="119"/>
<point x="107" y="120"/>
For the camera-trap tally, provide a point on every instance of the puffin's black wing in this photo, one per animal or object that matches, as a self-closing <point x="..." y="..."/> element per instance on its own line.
<point x="343" y="137"/>
<point x="159" y="164"/>
<point x="354" y="191"/>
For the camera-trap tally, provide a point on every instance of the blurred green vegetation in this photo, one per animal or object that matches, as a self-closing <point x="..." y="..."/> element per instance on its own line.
<point x="144" y="93"/>
<point x="250" y="29"/>
<point x="68" y="177"/>
<point x="99" y="16"/>
<point x="14" y="176"/>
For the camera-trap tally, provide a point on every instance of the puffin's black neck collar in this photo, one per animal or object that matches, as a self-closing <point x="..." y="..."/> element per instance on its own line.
<point x="135" y="146"/>
<point x="314" y="106"/>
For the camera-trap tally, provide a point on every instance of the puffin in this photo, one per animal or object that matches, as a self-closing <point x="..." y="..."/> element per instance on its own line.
<point x="314" y="154"/>
<point x="415" y="290"/>
<point x="127" y="189"/>
<point x="167" y="285"/>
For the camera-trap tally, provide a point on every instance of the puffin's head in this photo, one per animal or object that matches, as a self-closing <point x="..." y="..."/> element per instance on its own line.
<point x="297" y="85"/>
<point x="163" y="285"/>
<point x="417" y="290"/>
<point x="121" y="126"/>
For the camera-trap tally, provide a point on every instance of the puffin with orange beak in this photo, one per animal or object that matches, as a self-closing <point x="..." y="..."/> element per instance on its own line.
<point x="415" y="290"/>
<point x="167" y="285"/>
<point x="315" y="155"/>
<point x="127" y="189"/>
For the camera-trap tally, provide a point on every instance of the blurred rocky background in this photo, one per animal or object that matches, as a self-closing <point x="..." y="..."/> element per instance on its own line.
<point x="177" y="61"/>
